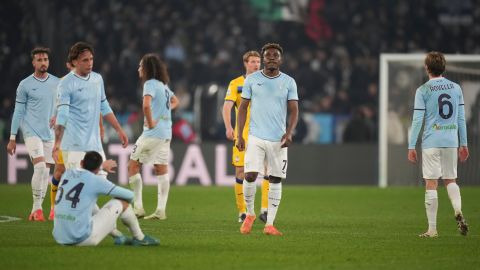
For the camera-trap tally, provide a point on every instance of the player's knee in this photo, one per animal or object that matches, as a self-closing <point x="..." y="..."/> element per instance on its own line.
<point x="160" y="169"/>
<point x="39" y="167"/>
<point x="133" y="167"/>
<point x="251" y="176"/>
<point x="124" y="203"/>
<point x="448" y="181"/>
<point x="274" y="179"/>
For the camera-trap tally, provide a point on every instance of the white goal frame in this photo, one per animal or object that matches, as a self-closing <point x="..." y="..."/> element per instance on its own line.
<point x="385" y="59"/>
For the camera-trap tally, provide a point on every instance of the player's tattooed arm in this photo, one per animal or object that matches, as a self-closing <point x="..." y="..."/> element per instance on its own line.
<point x="59" y="130"/>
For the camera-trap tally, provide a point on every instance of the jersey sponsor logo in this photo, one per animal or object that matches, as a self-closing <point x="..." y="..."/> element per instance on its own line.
<point x="259" y="84"/>
<point x="444" y="127"/>
<point x="34" y="89"/>
<point x="80" y="89"/>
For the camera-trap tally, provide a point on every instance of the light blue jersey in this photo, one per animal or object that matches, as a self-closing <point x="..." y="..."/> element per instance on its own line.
<point x="268" y="103"/>
<point x="440" y="101"/>
<point x="161" y="111"/>
<point x="76" y="197"/>
<point x="34" y="107"/>
<point x="80" y="102"/>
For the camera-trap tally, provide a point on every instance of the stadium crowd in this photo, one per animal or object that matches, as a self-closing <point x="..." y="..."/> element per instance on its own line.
<point x="333" y="54"/>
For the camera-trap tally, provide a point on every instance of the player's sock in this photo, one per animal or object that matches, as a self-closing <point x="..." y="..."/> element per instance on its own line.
<point x="274" y="197"/>
<point x="136" y="184"/>
<point x="45" y="183"/>
<point x="163" y="189"/>
<point x="453" y="191"/>
<point x="265" y="186"/>
<point x="239" y="196"/>
<point x="249" y="190"/>
<point x="431" y="206"/>
<point x="53" y="191"/>
<point x="130" y="220"/>
<point x="37" y="184"/>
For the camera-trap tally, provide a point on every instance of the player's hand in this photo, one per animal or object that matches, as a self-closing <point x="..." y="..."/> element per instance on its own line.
<point x="286" y="140"/>
<point x="11" y="147"/>
<point x="412" y="155"/>
<point x="123" y="138"/>
<point x="55" y="150"/>
<point x="230" y="134"/>
<point x="52" y="122"/>
<point x="109" y="165"/>
<point x="240" y="144"/>
<point x="463" y="153"/>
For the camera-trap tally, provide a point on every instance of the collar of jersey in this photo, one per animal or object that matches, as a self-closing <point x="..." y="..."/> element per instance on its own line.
<point x="436" y="78"/>
<point x="279" y="73"/>
<point x="83" y="78"/>
<point x="40" y="80"/>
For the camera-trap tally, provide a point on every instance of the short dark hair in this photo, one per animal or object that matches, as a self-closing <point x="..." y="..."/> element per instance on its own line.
<point x="92" y="161"/>
<point x="154" y="68"/>
<point x="272" y="45"/>
<point x="435" y="62"/>
<point x="38" y="50"/>
<point x="77" y="49"/>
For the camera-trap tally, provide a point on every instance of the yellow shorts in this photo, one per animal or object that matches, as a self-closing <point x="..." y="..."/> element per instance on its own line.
<point x="238" y="156"/>
<point x="60" y="157"/>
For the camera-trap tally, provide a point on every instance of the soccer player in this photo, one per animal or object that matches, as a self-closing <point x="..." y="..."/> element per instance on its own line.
<point x="59" y="169"/>
<point x="251" y="62"/>
<point x="440" y="102"/>
<point x="79" y="189"/>
<point x="270" y="92"/>
<point x="34" y="109"/>
<point x="153" y="146"/>
<point x="81" y="101"/>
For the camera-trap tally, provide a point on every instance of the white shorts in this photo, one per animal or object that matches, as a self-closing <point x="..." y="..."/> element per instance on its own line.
<point x="151" y="150"/>
<point x="103" y="222"/>
<point x="71" y="159"/>
<point x="38" y="148"/>
<point x="439" y="163"/>
<point x="258" y="151"/>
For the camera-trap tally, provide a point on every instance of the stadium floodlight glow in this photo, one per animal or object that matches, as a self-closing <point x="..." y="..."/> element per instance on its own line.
<point x="400" y="76"/>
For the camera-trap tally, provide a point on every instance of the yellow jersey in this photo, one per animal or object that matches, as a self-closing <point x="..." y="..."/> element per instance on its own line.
<point x="234" y="93"/>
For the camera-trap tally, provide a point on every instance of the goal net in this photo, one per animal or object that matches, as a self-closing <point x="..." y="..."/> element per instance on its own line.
<point x="400" y="76"/>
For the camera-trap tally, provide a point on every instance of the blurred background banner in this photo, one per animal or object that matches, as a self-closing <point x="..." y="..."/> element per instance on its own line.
<point x="210" y="164"/>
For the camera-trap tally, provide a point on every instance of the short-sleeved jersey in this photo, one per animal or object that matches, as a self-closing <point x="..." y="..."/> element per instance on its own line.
<point x="268" y="103"/>
<point x="234" y="93"/>
<point x="441" y="100"/>
<point x="35" y="106"/>
<point x="161" y="109"/>
<point x="76" y="197"/>
<point x="85" y="98"/>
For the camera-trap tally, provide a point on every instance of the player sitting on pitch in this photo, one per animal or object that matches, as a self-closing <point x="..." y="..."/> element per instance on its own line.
<point x="77" y="195"/>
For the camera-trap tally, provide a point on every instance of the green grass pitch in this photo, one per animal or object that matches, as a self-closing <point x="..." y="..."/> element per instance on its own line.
<point x="324" y="228"/>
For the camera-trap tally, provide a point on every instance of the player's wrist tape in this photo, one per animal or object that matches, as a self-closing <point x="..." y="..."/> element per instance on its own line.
<point x="13" y="137"/>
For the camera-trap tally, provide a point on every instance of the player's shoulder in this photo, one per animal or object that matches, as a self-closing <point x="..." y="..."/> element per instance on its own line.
<point x="27" y="80"/>
<point x="238" y="80"/>
<point x="53" y="78"/>
<point x="254" y="75"/>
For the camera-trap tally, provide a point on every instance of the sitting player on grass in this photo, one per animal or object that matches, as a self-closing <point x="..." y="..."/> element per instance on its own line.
<point x="77" y="195"/>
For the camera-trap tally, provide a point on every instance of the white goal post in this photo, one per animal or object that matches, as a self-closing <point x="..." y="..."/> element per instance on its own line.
<point x="402" y="74"/>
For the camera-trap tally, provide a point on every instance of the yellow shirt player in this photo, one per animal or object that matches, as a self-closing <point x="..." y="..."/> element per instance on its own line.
<point x="251" y="62"/>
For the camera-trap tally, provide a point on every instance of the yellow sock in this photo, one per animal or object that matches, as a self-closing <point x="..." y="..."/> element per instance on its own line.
<point x="265" y="186"/>
<point x="239" y="196"/>
<point x="53" y="194"/>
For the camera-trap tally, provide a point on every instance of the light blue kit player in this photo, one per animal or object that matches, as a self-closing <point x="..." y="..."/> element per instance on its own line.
<point x="440" y="102"/>
<point x="270" y="93"/>
<point x="76" y="198"/>
<point x="81" y="100"/>
<point x="153" y="146"/>
<point x="34" y="110"/>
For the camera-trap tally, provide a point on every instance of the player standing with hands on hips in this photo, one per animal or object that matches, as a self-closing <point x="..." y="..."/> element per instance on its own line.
<point x="270" y="93"/>
<point x="440" y="102"/>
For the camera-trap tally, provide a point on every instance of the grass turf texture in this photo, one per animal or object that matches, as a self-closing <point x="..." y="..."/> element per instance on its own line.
<point x="324" y="228"/>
